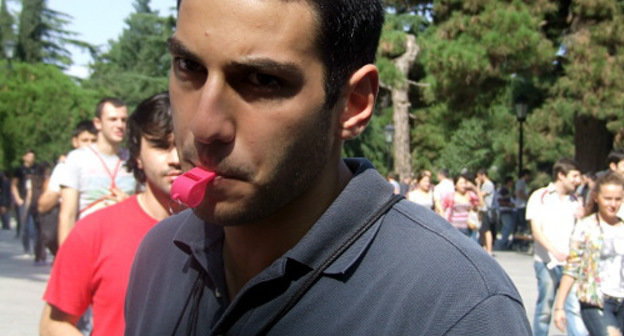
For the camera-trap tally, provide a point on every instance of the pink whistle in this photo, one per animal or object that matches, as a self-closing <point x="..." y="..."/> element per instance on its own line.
<point x="190" y="187"/>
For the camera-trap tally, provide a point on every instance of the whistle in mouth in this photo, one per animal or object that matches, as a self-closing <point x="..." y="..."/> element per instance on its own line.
<point x="190" y="187"/>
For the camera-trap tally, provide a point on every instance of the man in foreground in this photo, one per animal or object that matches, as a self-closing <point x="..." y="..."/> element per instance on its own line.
<point x="93" y="265"/>
<point x="290" y="239"/>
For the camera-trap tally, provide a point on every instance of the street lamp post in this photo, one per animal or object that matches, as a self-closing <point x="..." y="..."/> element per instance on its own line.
<point x="389" y="137"/>
<point x="521" y="114"/>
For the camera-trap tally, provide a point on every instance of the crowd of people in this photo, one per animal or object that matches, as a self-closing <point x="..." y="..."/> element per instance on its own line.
<point x="575" y="224"/>
<point x="490" y="213"/>
<point x="290" y="238"/>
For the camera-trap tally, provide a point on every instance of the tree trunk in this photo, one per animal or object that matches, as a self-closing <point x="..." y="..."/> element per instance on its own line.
<point x="401" y="108"/>
<point x="592" y="143"/>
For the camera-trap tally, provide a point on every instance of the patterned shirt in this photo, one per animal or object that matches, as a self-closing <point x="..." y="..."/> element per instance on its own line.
<point x="584" y="260"/>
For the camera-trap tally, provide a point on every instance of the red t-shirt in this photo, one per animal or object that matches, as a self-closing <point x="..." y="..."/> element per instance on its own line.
<point x="93" y="265"/>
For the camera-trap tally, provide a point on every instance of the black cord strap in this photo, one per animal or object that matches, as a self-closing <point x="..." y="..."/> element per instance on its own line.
<point x="316" y="275"/>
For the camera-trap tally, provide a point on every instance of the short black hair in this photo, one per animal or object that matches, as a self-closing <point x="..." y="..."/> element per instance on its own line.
<point x="444" y="172"/>
<point x="466" y="176"/>
<point x="150" y="119"/>
<point x="564" y="166"/>
<point x="107" y="100"/>
<point x="615" y="157"/>
<point x="84" y="126"/>
<point x="347" y="37"/>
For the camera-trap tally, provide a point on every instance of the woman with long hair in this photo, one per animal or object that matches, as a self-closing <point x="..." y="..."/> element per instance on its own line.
<point x="596" y="262"/>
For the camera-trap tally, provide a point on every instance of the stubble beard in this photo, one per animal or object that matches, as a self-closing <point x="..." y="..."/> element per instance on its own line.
<point x="300" y="165"/>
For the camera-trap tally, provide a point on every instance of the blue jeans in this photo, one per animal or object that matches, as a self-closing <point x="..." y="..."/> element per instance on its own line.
<point x="599" y="320"/>
<point x="547" y="283"/>
<point x="28" y="229"/>
<point x="6" y="220"/>
<point x="508" y="224"/>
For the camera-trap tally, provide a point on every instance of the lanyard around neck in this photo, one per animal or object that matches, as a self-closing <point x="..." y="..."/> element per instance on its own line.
<point x="113" y="174"/>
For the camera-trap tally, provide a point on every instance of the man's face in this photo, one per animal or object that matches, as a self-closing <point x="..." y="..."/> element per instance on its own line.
<point x="29" y="159"/>
<point x="247" y="98"/>
<point x="83" y="138"/>
<point x="112" y="123"/>
<point x="618" y="168"/>
<point x="160" y="163"/>
<point x="571" y="180"/>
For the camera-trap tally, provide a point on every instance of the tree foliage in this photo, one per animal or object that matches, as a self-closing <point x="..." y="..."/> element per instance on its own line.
<point x="137" y="63"/>
<point x="7" y="33"/>
<point x="39" y="105"/>
<point x="42" y="37"/>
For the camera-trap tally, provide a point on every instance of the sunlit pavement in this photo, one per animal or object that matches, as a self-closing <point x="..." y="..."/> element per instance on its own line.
<point x="21" y="287"/>
<point x="22" y="284"/>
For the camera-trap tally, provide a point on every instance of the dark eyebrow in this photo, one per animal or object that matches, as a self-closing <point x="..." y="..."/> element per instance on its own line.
<point x="288" y="69"/>
<point x="176" y="47"/>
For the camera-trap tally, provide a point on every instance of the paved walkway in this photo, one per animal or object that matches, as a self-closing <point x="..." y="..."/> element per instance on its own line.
<point x="22" y="285"/>
<point x="21" y="288"/>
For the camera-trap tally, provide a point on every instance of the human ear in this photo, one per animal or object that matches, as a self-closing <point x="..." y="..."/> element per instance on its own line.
<point x="360" y="101"/>
<point x="97" y="122"/>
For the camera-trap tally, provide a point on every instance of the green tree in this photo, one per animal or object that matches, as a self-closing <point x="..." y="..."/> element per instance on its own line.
<point x="7" y="34"/>
<point x="38" y="107"/>
<point x="472" y="52"/>
<point x="42" y="37"/>
<point x="587" y="97"/>
<point x="137" y="63"/>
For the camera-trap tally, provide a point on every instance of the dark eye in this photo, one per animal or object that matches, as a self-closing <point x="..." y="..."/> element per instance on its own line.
<point x="263" y="80"/>
<point x="184" y="68"/>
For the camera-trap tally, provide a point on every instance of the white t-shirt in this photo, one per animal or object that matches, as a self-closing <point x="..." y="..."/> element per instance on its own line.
<point x="442" y="189"/>
<point x="54" y="184"/>
<point x="556" y="217"/>
<point x="422" y="198"/>
<point x="611" y="258"/>
<point x="91" y="172"/>
<point x="487" y="189"/>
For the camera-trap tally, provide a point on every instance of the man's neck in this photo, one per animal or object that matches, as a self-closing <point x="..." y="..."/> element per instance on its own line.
<point x="105" y="147"/>
<point x="154" y="203"/>
<point x="249" y="249"/>
<point x="561" y="190"/>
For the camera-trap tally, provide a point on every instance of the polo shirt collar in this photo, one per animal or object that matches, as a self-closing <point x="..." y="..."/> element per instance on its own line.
<point x="551" y="189"/>
<point x="203" y="241"/>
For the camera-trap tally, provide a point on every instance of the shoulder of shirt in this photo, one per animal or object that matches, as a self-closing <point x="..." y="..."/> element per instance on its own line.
<point x="77" y="153"/>
<point x="419" y="233"/>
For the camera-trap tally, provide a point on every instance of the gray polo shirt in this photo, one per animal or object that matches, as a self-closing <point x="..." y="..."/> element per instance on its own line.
<point x="411" y="273"/>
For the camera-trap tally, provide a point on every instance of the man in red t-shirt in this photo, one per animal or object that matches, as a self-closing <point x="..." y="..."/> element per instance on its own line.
<point x="93" y="265"/>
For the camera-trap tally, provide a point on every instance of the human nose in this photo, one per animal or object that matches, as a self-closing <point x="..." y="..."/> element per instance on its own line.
<point x="213" y="120"/>
<point x="172" y="157"/>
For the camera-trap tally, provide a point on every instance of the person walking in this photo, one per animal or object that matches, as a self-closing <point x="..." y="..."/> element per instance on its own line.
<point x="94" y="176"/>
<point x="48" y="203"/>
<point x="487" y="213"/>
<point x="596" y="262"/>
<point x="506" y="214"/>
<point x="553" y="211"/>
<point x="22" y="190"/>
